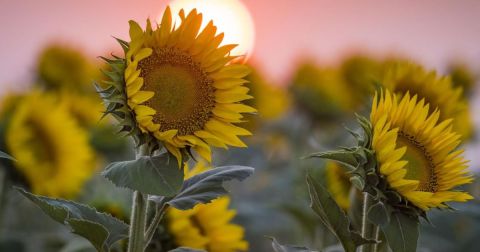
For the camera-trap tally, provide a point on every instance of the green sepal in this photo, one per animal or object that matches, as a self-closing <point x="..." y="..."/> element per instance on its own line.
<point x="358" y="182"/>
<point x="366" y="140"/>
<point x="125" y="45"/>
<point x="102" y="230"/>
<point x="113" y="94"/>
<point x="345" y="157"/>
<point x="379" y="214"/>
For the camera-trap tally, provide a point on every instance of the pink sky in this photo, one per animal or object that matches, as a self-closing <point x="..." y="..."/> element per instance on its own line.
<point x="432" y="32"/>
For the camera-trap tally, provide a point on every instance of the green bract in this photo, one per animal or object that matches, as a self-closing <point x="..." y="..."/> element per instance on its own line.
<point x="114" y="96"/>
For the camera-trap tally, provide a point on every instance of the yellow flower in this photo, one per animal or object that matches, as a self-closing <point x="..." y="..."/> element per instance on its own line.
<point x="86" y="109"/>
<point x="322" y="92"/>
<point x="361" y="73"/>
<point x="52" y="151"/>
<point x="63" y="67"/>
<point x="416" y="151"/>
<point x="183" y="88"/>
<point x="206" y="226"/>
<point x="462" y="77"/>
<point x="439" y="92"/>
<point x="270" y="101"/>
<point x="338" y="184"/>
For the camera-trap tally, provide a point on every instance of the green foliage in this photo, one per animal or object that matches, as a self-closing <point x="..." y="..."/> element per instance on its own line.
<point x="333" y="216"/>
<point x="101" y="229"/>
<point x="157" y="175"/>
<point x="345" y="157"/>
<point x="277" y="247"/>
<point x="401" y="232"/>
<point x="378" y="214"/>
<point x="205" y="187"/>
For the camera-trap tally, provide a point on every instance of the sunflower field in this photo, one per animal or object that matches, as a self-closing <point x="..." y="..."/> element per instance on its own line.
<point x="192" y="130"/>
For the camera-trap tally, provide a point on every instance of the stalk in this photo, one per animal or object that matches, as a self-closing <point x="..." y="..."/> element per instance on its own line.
<point x="367" y="227"/>
<point x="159" y="213"/>
<point x="138" y="217"/>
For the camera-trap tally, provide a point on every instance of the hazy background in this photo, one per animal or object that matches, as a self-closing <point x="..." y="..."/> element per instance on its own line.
<point x="432" y="32"/>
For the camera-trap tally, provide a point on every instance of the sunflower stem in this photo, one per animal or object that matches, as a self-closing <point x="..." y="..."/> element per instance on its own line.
<point x="138" y="217"/>
<point x="159" y="213"/>
<point x="367" y="227"/>
<point x="377" y="236"/>
<point x="2" y="190"/>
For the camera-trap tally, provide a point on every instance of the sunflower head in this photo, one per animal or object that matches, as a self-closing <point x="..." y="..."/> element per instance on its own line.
<point x="463" y="77"/>
<point x="322" y="92"/>
<point x="416" y="152"/>
<point x="86" y="109"/>
<point x="206" y="226"/>
<point x="177" y="87"/>
<point x="270" y="101"/>
<point x="361" y="72"/>
<point x="62" y="67"/>
<point x="439" y="92"/>
<point x="338" y="183"/>
<point x="52" y="150"/>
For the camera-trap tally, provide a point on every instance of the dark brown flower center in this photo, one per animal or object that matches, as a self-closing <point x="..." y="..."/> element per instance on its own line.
<point x="420" y="165"/>
<point x="184" y="95"/>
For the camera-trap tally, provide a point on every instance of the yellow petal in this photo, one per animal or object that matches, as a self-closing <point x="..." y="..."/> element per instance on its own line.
<point x="142" y="96"/>
<point x="135" y="30"/>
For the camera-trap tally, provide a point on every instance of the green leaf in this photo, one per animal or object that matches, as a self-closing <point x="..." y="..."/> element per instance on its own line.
<point x="6" y="156"/>
<point x="100" y="229"/>
<point x="345" y="157"/>
<point x="277" y="247"/>
<point x="185" y="249"/>
<point x="157" y="175"/>
<point x="92" y="231"/>
<point x="378" y="214"/>
<point x="205" y="187"/>
<point x="401" y="232"/>
<point x="333" y="217"/>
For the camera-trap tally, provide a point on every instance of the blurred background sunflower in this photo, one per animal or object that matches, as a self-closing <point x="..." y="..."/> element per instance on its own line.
<point x="208" y="227"/>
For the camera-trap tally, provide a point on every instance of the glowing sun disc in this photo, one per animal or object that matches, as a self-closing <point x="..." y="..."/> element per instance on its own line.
<point x="230" y="16"/>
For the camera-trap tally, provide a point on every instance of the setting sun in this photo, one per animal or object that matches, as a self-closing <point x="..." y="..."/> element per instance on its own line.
<point x="230" y="16"/>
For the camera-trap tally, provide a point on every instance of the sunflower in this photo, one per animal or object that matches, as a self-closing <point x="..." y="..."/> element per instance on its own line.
<point x="182" y="87"/>
<point x="64" y="67"/>
<point x="338" y="183"/>
<point x="438" y="92"/>
<point x="361" y="72"/>
<point x="270" y="101"/>
<point x="52" y="151"/>
<point x="86" y="109"/>
<point x="206" y="226"/>
<point x="416" y="151"/>
<point x="322" y="92"/>
<point x="462" y="76"/>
